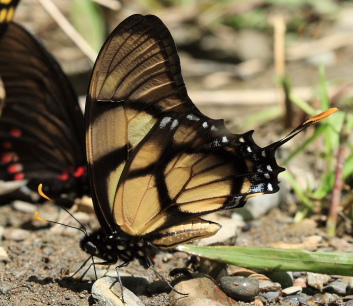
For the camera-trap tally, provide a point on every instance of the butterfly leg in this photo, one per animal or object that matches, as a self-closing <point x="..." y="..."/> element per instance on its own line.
<point x="160" y="276"/>
<point x="124" y="264"/>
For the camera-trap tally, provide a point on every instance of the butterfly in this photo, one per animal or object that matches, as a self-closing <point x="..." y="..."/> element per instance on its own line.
<point x="155" y="162"/>
<point x="41" y="126"/>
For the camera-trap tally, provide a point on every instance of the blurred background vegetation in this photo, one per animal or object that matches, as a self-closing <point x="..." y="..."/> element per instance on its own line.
<point x="263" y="65"/>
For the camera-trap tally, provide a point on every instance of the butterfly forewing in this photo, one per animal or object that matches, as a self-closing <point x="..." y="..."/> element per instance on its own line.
<point x="136" y="79"/>
<point x="42" y="133"/>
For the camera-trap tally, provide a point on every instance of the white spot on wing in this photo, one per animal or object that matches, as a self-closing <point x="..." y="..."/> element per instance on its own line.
<point x="216" y="143"/>
<point x="258" y="188"/>
<point x="225" y="139"/>
<point x="248" y="149"/>
<point x="267" y="176"/>
<point x="213" y="128"/>
<point x="164" y="122"/>
<point x="192" y="117"/>
<point x="174" y="124"/>
<point x="263" y="153"/>
<point x="269" y="187"/>
<point x="269" y="168"/>
<point x="205" y="125"/>
<point x="241" y="139"/>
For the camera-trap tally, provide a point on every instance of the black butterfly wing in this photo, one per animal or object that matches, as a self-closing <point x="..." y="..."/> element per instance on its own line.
<point x="156" y="162"/>
<point x="41" y="127"/>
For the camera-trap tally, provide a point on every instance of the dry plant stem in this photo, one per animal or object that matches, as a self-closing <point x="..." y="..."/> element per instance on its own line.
<point x="70" y="31"/>
<point x="279" y="27"/>
<point x="111" y="4"/>
<point x="338" y="184"/>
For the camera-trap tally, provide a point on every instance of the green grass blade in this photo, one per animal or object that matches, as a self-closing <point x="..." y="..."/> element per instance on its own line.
<point x="88" y="20"/>
<point x="277" y="259"/>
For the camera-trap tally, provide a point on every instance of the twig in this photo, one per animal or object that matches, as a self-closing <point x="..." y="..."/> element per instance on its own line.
<point x="70" y="31"/>
<point x="324" y="44"/>
<point x="111" y="4"/>
<point x="337" y="188"/>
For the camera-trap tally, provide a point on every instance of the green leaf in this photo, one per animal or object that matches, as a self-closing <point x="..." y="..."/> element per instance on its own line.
<point x="277" y="259"/>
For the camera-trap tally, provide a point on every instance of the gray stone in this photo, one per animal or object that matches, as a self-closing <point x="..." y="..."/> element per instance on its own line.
<point x="285" y="279"/>
<point x="337" y="287"/>
<point x="270" y="295"/>
<point x="240" y="287"/>
<point x="298" y="298"/>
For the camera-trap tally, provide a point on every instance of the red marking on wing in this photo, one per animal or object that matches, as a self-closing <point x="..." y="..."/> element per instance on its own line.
<point x="14" y="168"/>
<point x="64" y="176"/>
<point x="19" y="176"/>
<point x="16" y="132"/>
<point x="79" y="171"/>
<point x="9" y="157"/>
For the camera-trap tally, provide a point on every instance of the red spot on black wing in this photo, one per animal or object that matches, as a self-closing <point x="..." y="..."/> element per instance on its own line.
<point x="64" y="176"/>
<point x="9" y="157"/>
<point x="19" y="176"/>
<point x="79" y="171"/>
<point x="15" y="168"/>
<point x="15" y="132"/>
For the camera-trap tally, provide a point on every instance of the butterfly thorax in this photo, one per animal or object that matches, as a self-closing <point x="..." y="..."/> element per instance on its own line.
<point x="115" y="247"/>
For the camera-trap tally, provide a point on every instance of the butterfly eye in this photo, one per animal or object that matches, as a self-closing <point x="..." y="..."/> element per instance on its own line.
<point x="90" y="248"/>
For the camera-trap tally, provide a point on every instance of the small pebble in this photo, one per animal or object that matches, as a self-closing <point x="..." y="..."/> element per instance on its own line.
<point x="337" y="287"/>
<point x="240" y="287"/>
<point x="297" y="274"/>
<point x="107" y="291"/>
<point x="317" y="280"/>
<point x="267" y="285"/>
<point x="3" y="254"/>
<point x="292" y="290"/>
<point x="299" y="282"/>
<point x="270" y="295"/>
<point x="285" y="279"/>
<point x="24" y="206"/>
<point x="16" y="234"/>
<point x="325" y="298"/>
<point x="298" y="298"/>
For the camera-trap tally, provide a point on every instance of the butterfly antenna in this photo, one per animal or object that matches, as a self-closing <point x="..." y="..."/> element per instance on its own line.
<point x="82" y="228"/>
<point x="303" y="126"/>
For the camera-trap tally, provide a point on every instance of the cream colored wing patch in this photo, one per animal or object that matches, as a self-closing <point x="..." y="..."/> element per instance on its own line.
<point x="188" y="231"/>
